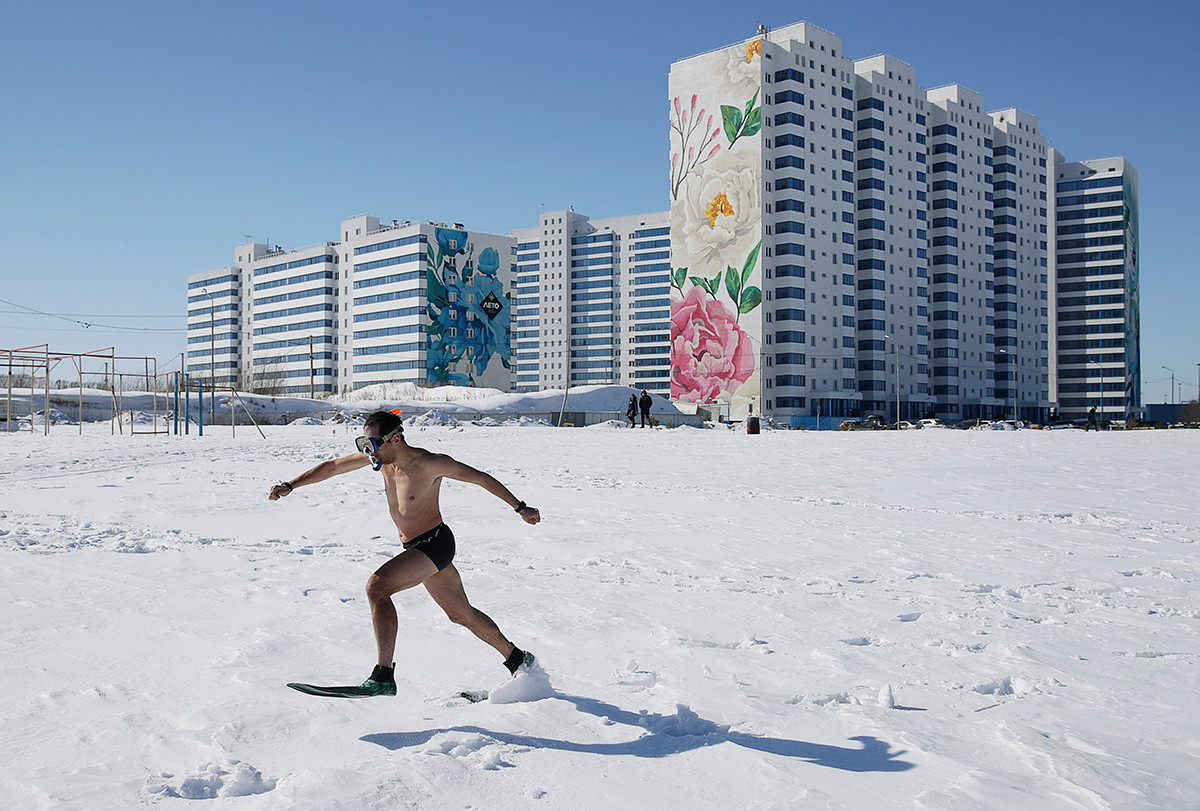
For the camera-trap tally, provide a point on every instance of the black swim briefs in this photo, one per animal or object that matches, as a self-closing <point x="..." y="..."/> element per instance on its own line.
<point x="437" y="544"/>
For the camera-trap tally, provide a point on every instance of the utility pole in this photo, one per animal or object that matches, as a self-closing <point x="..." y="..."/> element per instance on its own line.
<point x="312" y="375"/>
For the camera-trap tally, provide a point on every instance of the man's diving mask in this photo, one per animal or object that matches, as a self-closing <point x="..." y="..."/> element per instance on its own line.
<point x="370" y="445"/>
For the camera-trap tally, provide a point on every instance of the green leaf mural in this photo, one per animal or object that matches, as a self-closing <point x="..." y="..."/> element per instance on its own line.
<point x="733" y="284"/>
<point x="731" y="117"/>
<point x="745" y="297"/>
<point x="751" y="298"/>
<point x="753" y="121"/>
<point x="738" y="122"/>
<point x="748" y="268"/>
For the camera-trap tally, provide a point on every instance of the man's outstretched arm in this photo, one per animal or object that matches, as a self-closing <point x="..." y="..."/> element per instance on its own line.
<point x="327" y="469"/>
<point x="453" y="469"/>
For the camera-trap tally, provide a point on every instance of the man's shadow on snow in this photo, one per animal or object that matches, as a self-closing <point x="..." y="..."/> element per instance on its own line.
<point x="664" y="736"/>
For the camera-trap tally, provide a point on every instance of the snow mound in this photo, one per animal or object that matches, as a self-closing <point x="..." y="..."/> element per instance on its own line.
<point x="683" y="723"/>
<point x="531" y="683"/>
<point x="433" y="417"/>
<point x="607" y="425"/>
<point x="525" y="422"/>
<point x="56" y="418"/>
<point x="212" y="781"/>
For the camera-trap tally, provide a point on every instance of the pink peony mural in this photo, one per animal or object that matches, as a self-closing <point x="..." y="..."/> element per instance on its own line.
<point x="710" y="354"/>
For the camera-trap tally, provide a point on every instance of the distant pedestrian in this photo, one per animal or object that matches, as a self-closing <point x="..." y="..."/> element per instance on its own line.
<point x="1092" y="421"/>
<point x="631" y="410"/>
<point x="645" y="402"/>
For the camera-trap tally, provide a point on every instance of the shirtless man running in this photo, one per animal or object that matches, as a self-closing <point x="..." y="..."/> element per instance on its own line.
<point x="412" y="478"/>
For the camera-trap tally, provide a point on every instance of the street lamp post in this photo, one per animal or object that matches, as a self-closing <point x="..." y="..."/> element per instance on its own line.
<point x="1012" y="362"/>
<point x="1172" y="371"/>
<point x="896" y="347"/>
<point x="1101" y="368"/>
<point x="567" y="384"/>
<point x="212" y="353"/>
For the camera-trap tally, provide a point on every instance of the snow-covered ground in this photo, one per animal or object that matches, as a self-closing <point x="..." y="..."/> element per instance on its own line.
<point x="919" y="619"/>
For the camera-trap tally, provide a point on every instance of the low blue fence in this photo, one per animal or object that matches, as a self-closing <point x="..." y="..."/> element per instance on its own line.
<point x="817" y="423"/>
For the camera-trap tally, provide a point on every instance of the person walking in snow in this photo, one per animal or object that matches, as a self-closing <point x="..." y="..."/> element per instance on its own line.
<point x="631" y="410"/>
<point x="645" y="402"/>
<point x="412" y="479"/>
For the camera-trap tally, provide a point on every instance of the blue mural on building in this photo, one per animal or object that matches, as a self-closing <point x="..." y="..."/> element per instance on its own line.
<point x="469" y="312"/>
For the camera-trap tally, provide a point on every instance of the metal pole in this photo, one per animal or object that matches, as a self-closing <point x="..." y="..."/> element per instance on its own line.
<point x="79" y="367"/>
<point x="897" y="345"/>
<point x="567" y="384"/>
<point x="562" y="409"/>
<point x="46" y="403"/>
<point x="312" y="381"/>
<point x="1016" y="411"/>
<point x="200" y="410"/>
<point x="154" y="392"/>
<point x="112" y="396"/>
<point x="212" y="350"/>
<point x="1171" y="395"/>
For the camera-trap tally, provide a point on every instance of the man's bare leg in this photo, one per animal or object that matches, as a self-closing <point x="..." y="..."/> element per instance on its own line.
<point x="446" y="589"/>
<point x="401" y="572"/>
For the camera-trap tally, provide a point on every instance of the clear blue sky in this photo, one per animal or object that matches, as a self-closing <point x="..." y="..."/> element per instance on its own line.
<point x="141" y="142"/>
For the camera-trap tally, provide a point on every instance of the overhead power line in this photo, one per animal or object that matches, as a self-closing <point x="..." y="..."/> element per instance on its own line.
<point x="73" y="319"/>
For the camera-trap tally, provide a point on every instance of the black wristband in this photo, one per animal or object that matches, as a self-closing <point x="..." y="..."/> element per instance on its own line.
<point x="520" y="507"/>
<point x="288" y="485"/>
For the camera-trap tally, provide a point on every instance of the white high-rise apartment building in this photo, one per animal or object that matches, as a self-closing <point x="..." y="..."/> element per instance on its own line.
<point x="411" y="302"/>
<point x="1097" y="356"/>
<point x="289" y="309"/>
<point x="832" y="237"/>
<point x="215" y="326"/>
<point x="1022" y="268"/>
<point x="960" y="253"/>
<point x="892" y="239"/>
<point x="592" y="302"/>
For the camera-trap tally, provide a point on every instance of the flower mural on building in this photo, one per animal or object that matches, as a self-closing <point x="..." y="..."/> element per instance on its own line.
<point x="738" y="69"/>
<point x="716" y="226"/>
<point x="695" y="134"/>
<point x="468" y="310"/>
<point x="717" y="218"/>
<point x="711" y="355"/>
<point x="695" y="138"/>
